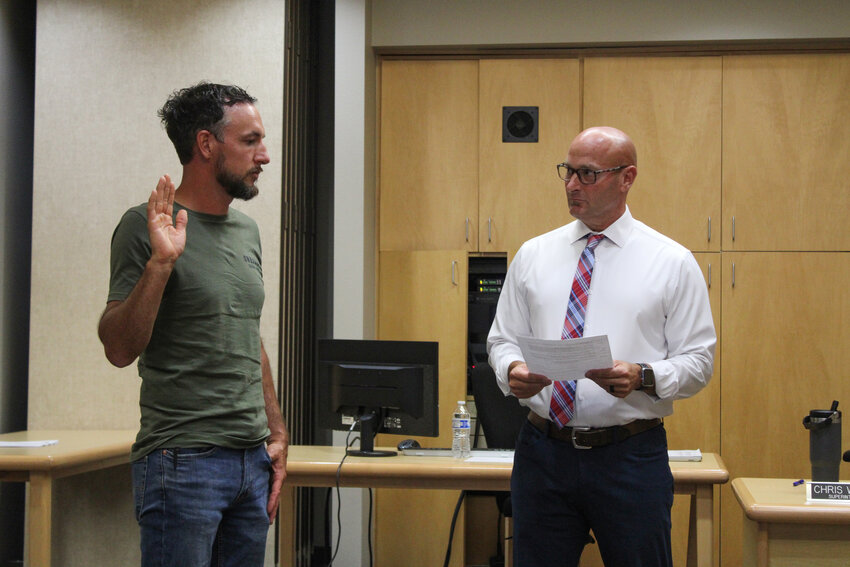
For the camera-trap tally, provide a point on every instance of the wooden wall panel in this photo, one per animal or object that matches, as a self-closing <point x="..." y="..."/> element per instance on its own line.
<point x="422" y="296"/>
<point x="671" y="107"/>
<point x="785" y="151"/>
<point x="785" y="352"/>
<point x="520" y="194"/>
<point x="747" y="117"/>
<point x="428" y="155"/>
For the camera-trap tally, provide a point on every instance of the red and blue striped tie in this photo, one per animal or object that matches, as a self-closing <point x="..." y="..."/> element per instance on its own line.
<point x="562" y="407"/>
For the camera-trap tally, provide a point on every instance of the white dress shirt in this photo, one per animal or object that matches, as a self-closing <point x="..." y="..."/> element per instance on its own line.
<point x="647" y="293"/>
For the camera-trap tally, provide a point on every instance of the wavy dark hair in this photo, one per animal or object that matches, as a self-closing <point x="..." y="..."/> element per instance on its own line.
<point x="199" y="107"/>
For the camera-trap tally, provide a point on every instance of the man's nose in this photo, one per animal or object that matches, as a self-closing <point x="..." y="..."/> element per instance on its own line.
<point x="262" y="156"/>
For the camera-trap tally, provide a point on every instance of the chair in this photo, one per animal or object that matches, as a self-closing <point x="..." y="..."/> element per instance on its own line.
<point x="500" y="418"/>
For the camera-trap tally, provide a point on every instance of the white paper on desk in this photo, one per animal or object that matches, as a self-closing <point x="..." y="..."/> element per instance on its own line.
<point x="567" y="359"/>
<point x="490" y="459"/>
<point x="7" y="444"/>
<point x="683" y="455"/>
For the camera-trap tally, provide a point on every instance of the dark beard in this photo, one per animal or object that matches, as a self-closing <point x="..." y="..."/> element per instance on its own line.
<point x="236" y="187"/>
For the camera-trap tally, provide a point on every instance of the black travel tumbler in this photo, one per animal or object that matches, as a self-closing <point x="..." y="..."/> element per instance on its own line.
<point x="824" y="443"/>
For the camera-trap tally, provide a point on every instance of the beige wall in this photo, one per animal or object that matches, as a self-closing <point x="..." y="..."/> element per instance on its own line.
<point x="103" y="68"/>
<point x="511" y="23"/>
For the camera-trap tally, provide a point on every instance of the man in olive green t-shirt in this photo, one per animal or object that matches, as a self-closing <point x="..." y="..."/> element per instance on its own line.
<point x="185" y="297"/>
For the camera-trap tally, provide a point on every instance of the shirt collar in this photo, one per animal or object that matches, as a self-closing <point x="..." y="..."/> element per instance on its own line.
<point x="617" y="233"/>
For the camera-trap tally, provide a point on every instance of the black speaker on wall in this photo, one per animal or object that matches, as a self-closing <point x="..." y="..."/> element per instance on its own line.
<point x="519" y="124"/>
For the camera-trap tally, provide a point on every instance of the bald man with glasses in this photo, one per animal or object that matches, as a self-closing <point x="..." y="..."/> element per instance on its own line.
<point x="593" y="454"/>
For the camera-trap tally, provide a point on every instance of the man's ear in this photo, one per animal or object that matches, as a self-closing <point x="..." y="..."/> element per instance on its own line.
<point x="205" y="141"/>
<point x="629" y="175"/>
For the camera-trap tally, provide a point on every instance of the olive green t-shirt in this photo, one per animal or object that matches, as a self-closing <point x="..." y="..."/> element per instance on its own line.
<point x="201" y="374"/>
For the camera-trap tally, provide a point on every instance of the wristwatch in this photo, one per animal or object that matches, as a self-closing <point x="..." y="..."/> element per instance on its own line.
<point x="647" y="379"/>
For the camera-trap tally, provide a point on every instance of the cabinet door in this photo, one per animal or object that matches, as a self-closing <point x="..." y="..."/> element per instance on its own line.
<point x="423" y="296"/>
<point x="520" y="194"/>
<point x="785" y="148"/>
<point x="428" y="155"/>
<point x="695" y="423"/>
<point x="785" y="338"/>
<point x="671" y="108"/>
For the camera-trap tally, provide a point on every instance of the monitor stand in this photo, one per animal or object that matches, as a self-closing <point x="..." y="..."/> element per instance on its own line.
<point x="369" y="422"/>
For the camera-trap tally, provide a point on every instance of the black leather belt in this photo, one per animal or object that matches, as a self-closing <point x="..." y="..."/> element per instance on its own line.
<point x="589" y="437"/>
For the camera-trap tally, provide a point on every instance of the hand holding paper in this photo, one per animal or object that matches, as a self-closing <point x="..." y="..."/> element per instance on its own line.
<point x="566" y="359"/>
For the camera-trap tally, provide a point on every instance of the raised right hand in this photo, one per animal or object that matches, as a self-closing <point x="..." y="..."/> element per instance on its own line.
<point x="167" y="234"/>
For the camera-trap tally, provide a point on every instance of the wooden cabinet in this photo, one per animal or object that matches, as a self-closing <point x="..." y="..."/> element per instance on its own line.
<point x="785" y="339"/>
<point x="784" y="309"/>
<point x="741" y="159"/>
<point x="428" y="197"/>
<point x="422" y="296"/>
<point x="671" y="108"/>
<point x="520" y="194"/>
<point x="785" y="150"/>
<point x="695" y="423"/>
<point x="449" y="186"/>
<point x="447" y="180"/>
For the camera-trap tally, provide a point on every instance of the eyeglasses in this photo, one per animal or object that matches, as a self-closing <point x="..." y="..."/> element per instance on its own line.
<point x="585" y="176"/>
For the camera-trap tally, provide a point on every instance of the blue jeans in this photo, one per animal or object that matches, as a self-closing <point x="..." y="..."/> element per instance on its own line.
<point x="623" y="492"/>
<point x="203" y="507"/>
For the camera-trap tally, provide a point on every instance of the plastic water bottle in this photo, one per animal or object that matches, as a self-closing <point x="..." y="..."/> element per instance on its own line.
<point x="460" y="428"/>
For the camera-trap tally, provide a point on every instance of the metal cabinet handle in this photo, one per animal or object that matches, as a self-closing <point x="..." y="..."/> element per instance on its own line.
<point x="454" y="272"/>
<point x="733" y="274"/>
<point x="490" y="229"/>
<point x="467" y="229"/>
<point x="709" y="229"/>
<point x="709" y="275"/>
<point x="733" y="229"/>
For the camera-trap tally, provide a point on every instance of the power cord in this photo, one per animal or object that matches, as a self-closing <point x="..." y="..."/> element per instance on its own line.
<point x="338" y="498"/>
<point x="339" y="501"/>
<point x="369" y="527"/>
<point x="452" y="529"/>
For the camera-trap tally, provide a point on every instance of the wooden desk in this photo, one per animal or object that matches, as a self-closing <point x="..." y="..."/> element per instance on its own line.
<point x="317" y="467"/>
<point x="77" y="452"/>
<point x="780" y="528"/>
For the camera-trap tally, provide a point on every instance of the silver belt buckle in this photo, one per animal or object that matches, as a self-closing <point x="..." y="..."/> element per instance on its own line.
<point x="573" y="436"/>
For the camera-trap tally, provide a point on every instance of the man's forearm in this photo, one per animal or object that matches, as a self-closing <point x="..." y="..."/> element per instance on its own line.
<point x="125" y="327"/>
<point x="273" y="414"/>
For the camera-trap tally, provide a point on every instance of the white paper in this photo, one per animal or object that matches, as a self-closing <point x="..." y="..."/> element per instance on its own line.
<point x="567" y="359"/>
<point x="680" y="455"/>
<point x="499" y="458"/>
<point x="6" y="444"/>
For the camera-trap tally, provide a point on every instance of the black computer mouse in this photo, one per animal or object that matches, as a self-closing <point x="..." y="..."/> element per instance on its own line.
<point x="408" y="444"/>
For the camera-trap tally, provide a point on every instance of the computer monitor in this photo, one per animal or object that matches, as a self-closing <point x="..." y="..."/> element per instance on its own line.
<point x="386" y="386"/>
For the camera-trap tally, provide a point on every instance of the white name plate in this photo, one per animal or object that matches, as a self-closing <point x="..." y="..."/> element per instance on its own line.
<point x="828" y="492"/>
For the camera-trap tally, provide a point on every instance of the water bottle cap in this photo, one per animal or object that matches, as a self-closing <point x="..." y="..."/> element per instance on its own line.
<point x="461" y="402"/>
